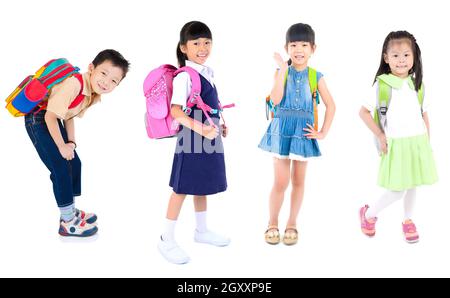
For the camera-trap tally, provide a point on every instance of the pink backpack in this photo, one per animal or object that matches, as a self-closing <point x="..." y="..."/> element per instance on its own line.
<point x="158" y="94"/>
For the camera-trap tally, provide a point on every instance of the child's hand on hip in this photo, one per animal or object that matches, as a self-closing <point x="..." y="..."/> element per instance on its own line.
<point x="67" y="151"/>
<point x="312" y="133"/>
<point x="224" y="130"/>
<point x="210" y="132"/>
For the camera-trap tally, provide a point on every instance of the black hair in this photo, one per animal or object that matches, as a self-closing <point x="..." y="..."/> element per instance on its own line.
<point x="116" y="59"/>
<point x="300" y="32"/>
<point x="191" y="31"/>
<point x="416" y="71"/>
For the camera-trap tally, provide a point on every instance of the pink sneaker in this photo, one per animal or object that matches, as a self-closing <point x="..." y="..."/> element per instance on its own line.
<point x="367" y="225"/>
<point x="410" y="231"/>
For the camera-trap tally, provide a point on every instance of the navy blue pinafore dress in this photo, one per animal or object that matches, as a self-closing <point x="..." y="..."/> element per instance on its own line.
<point x="199" y="164"/>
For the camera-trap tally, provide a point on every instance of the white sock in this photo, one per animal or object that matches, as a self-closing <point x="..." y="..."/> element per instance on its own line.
<point x="200" y="218"/>
<point x="409" y="202"/>
<point x="385" y="200"/>
<point x="67" y="213"/>
<point x="169" y="232"/>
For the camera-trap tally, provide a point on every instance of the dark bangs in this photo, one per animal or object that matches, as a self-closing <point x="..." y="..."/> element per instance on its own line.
<point x="300" y="32"/>
<point x="194" y="30"/>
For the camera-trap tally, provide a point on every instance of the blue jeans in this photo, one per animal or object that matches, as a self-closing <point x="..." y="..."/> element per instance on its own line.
<point x="65" y="175"/>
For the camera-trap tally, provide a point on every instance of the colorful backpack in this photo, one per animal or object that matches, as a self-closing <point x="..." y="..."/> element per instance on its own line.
<point x="34" y="89"/>
<point x="384" y="94"/>
<point x="312" y="77"/>
<point x="158" y="94"/>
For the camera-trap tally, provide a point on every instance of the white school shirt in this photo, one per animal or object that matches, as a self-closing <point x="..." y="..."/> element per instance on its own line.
<point x="182" y="82"/>
<point x="404" y="118"/>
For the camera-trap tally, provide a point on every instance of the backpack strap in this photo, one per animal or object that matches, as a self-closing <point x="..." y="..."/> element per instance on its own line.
<point x="221" y="107"/>
<point x="195" y="98"/>
<point x="384" y="94"/>
<point x="79" y="99"/>
<point x="76" y="102"/>
<point x="312" y="78"/>
<point x="420" y="96"/>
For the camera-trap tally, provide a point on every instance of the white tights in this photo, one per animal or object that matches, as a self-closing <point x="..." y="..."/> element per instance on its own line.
<point x="390" y="197"/>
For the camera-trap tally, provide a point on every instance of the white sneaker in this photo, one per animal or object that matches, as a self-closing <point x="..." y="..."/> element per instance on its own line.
<point x="90" y="218"/>
<point x="172" y="252"/>
<point x="212" y="238"/>
<point x="77" y="228"/>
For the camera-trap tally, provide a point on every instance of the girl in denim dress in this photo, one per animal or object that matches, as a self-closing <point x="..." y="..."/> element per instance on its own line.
<point x="291" y="137"/>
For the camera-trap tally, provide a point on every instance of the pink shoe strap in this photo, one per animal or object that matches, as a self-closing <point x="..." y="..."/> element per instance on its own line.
<point x="409" y="228"/>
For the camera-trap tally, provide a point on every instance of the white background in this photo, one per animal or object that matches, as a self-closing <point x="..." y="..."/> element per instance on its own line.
<point x="126" y="175"/>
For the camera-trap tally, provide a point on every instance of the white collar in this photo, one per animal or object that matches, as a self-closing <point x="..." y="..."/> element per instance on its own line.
<point x="201" y="69"/>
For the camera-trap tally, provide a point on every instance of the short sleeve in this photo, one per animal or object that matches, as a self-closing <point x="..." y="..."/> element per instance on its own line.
<point x="181" y="89"/>
<point x="62" y="95"/>
<point x="88" y="105"/>
<point x="319" y="76"/>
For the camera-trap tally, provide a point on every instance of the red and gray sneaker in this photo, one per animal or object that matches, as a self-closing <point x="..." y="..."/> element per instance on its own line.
<point x="77" y="228"/>
<point x="90" y="218"/>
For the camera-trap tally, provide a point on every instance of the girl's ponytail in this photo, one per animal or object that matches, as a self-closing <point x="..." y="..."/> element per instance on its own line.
<point x="417" y="68"/>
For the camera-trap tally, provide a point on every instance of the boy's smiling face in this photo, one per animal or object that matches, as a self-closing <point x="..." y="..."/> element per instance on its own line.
<point x="105" y="77"/>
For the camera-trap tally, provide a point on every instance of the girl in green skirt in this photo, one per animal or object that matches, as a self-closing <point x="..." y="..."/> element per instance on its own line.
<point x="400" y="124"/>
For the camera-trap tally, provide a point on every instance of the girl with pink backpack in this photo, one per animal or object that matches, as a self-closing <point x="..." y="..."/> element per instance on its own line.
<point x="198" y="166"/>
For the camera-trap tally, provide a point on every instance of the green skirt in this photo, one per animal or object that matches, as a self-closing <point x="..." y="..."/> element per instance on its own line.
<point x="408" y="163"/>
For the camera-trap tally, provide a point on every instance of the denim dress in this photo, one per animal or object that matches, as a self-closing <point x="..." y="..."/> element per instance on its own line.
<point x="284" y="137"/>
